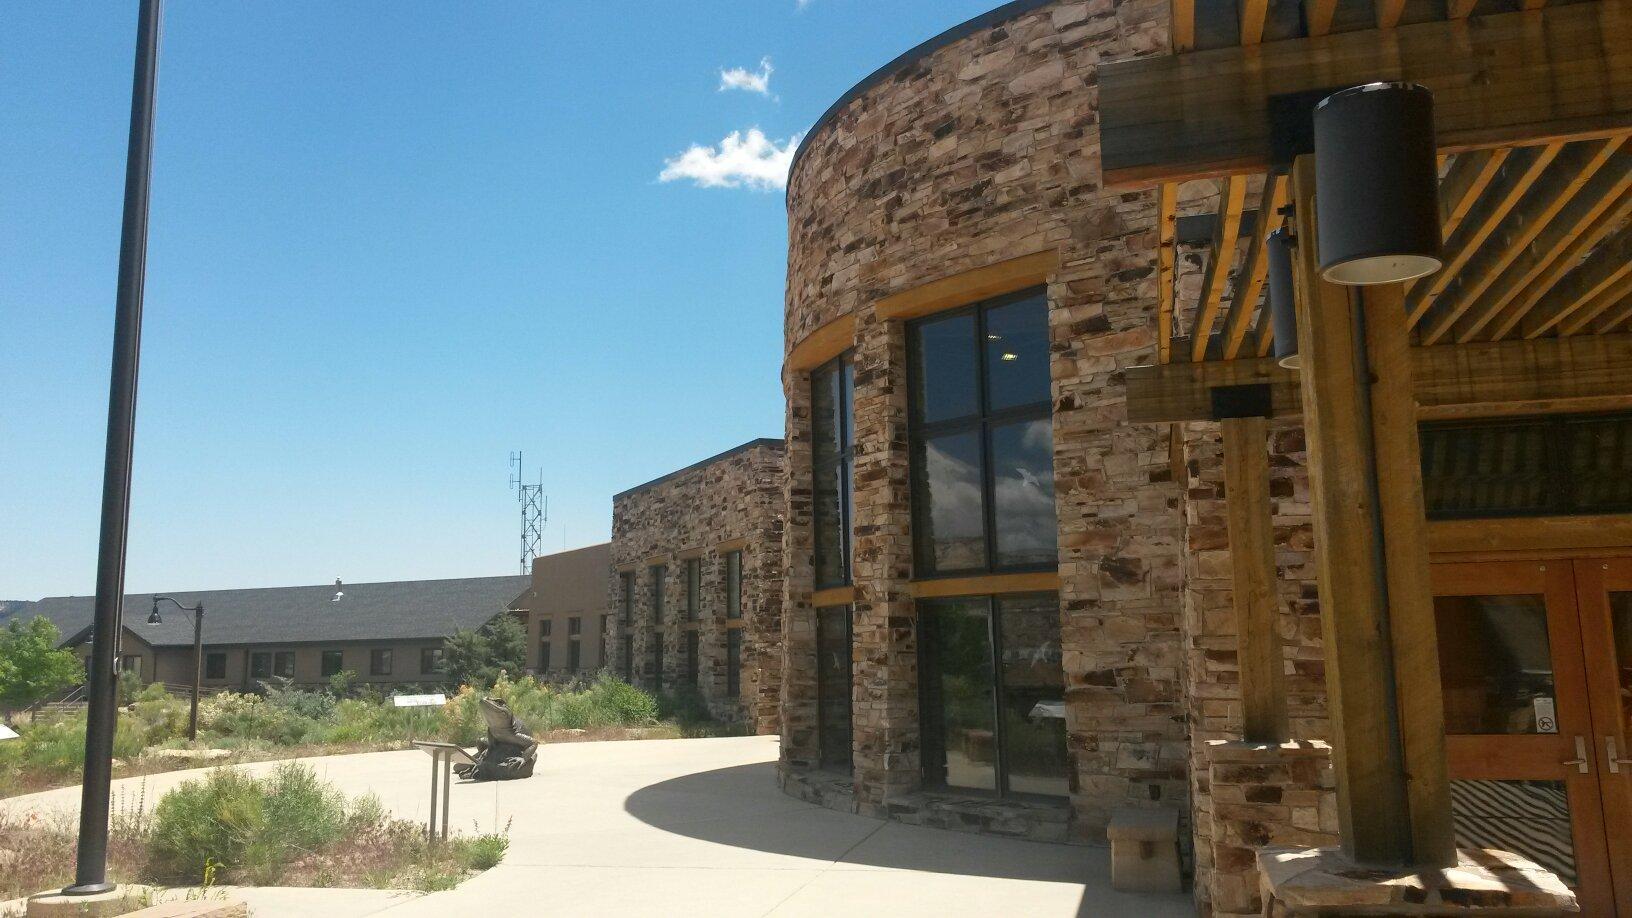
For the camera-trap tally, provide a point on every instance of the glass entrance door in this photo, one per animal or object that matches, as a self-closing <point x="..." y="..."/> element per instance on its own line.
<point x="1519" y="719"/>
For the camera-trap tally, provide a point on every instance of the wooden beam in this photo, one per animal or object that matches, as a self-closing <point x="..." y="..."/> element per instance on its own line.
<point x="1570" y="172"/>
<point x="970" y="286"/>
<point x="1603" y="205"/>
<point x="1470" y="174"/>
<point x="1318" y="16"/>
<point x="1520" y="172"/>
<point x="1255" y="593"/>
<point x="1459" y="9"/>
<point x="1543" y="533"/>
<point x="1184" y="26"/>
<point x="1465" y="380"/>
<point x="1615" y="316"/>
<point x="1564" y="72"/>
<point x="1232" y="198"/>
<point x="1167" y="223"/>
<point x="1250" y="282"/>
<point x="1602" y="270"/>
<point x="1253" y="13"/>
<point x="1389" y="12"/>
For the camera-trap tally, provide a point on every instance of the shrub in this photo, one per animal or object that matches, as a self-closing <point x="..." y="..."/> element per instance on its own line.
<point x="158" y="715"/>
<point x="219" y="817"/>
<point x="302" y="813"/>
<point x="484" y="852"/>
<point x="684" y="704"/>
<point x="309" y="705"/>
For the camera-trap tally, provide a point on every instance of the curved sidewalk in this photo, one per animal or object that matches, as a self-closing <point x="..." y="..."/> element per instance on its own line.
<point x="698" y="827"/>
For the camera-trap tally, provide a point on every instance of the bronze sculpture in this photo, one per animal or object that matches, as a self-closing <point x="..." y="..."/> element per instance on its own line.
<point x="507" y="752"/>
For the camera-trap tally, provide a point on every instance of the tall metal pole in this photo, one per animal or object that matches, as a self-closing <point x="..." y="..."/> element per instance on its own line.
<point x="91" y="869"/>
<point x="198" y="669"/>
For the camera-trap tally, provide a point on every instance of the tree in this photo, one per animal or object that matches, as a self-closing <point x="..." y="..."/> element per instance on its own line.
<point x="31" y="665"/>
<point x="477" y="657"/>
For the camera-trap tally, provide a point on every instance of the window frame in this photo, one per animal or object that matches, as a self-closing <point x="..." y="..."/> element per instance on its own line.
<point x="432" y="661"/>
<point x="260" y="664"/>
<point x="1561" y="484"/>
<point x="375" y="655"/>
<point x="544" y="655"/>
<point x="981" y="423"/>
<point x="627" y="584"/>
<point x="994" y="640"/>
<point x="694" y="589"/>
<point x="211" y="669"/>
<point x="658" y="576"/>
<point x="278" y="658"/>
<point x="733" y="584"/>
<point x="733" y="670"/>
<point x="323" y="669"/>
<point x="849" y="614"/>
<point x="843" y="464"/>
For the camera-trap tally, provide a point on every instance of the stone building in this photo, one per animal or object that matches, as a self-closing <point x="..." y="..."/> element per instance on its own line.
<point x="1010" y="601"/>
<point x="696" y="582"/>
<point x="569" y="624"/>
<point x="388" y="635"/>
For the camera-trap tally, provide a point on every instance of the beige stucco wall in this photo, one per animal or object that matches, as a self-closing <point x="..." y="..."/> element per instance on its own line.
<point x="567" y="585"/>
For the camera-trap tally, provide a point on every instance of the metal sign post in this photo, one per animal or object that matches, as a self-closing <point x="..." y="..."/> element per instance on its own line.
<point x="443" y="755"/>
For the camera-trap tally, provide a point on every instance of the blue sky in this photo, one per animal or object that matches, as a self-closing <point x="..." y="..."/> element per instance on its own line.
<point x="390" y="243"/>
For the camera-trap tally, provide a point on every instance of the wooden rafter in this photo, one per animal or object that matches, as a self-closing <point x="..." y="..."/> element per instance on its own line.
<point x="1318" y="16"/>
<point x="1459" y="9"/>
<point x="1602" y="270"/>
<point x="1559" y="73"/>
<point x="1603" y="205"/>
<point x="1253" y="14"/>
<point x="1250" y="281"/>
<point x="1389" y="12"/>
<point x="1470" y="174"/>
<point x="1519" y="173"/>
<point x="1569" y="173"/>
<point x="1184" y="26"/>
<point x="1232" y="198"/>
<point x="1167" y="224"/>
<point x="1609" y="307"/>
<point x="1617" y="315"/>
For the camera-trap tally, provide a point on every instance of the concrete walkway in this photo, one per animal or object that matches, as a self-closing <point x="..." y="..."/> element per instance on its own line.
<point x="698" y="827"/>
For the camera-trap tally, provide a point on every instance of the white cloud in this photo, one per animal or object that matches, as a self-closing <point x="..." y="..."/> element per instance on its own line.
<point x="752" y="160"/>
<point x="748" y="80"/>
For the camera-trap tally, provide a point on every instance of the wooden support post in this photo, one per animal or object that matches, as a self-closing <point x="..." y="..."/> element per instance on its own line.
<point x="1252" y="561"/>
<point x="1382" y="672"/>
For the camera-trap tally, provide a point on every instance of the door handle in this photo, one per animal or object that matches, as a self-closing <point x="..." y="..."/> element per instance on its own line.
<point x="1581" y="761"/>
<point x="1615" y="762"/>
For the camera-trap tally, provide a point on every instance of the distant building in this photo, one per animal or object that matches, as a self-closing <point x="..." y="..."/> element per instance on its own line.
<point x="388" y="634"/>
<point x="569" y="621"/>
<point x="696" y="582"/>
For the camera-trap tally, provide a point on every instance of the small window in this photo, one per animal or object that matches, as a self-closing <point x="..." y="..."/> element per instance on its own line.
<point x="283" y="664"/>
<point x="660" y="576"/>
<point x="691" y="657"/>
<point x="575" y="625"/>
<point x="215" y="666"/>
<point x="430" y="660"/>
<point x="627" y="595"/>
<point x="379" y="661"/>
<point x="694" y="588"/>
<point x="543" y="656"/>
<point x="733" y="662"/>
<point x="333" y="661"/>
<point x="260" y="665"/>
<point x="130" y="663"/>
<point x="733" y="585"/>
<point x="1541" y="466"/>
<point x="544" y="627"/>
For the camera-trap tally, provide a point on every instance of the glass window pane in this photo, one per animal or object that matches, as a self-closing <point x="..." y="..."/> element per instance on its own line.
<point x="733" y="585"/>
<point x="944" y="369"/>
<point x="960" y="732"/>
<point x="733" y="662"/>
<point x="1495" y="664"/>
<point x="1485" y="469"/>
<point x="826" y="423"/>
<point x="1600" y="463"/>
<point x="1620" y="615"/>
<point x="1017" y="353"/>
<point x="847" y="401"/>
<point x="827" y="525"/>
<point x="833" y="686"/>
<point x="1033" y="696"/>
<point x="949" y="511"/>
<point x="1529" y="818"/>
<point x="1023" y="493"/>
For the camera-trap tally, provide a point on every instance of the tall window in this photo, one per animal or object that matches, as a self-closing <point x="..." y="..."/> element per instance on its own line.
<point x="260" y="665"/>
<point x="657" y="661"/>
<point x="694" y="587"/>
<point x="833" y="681"/>
<point x="606" y="634"/>
<point x="832" y="392"/>
<point x="629" y="658"/>
<point x="660" y="576"/>
<point x="982" y="438"/>
<point x="691" y="657"/>
<point x="733" y="584"/>
<point x="283" y="664"/>
<point x="332" y="662"/>
<point x="379" y="661"/>
<point x="993" y="705"/>
<point x="733" y="662"/>
<point x="575" y="627"/>
<point x="544" y="655"/>
<point x="627" y="585"/>
<point x="215" y="666"/>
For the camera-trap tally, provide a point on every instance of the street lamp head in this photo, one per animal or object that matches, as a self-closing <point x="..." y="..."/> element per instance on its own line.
<point x="153" y="617"/>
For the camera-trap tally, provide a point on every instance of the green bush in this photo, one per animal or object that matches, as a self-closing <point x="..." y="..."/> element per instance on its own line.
<point x="220" y="817"/>
<point x="308" y="705"/>
<point x="484" y="852"/>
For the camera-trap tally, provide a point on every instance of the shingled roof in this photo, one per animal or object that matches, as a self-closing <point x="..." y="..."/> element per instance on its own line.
<point x="395" y="611"/>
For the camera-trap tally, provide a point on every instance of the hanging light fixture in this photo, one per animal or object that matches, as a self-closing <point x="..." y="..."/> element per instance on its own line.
<point x="1377" y="181"/>
<point x="1278" y="299"/>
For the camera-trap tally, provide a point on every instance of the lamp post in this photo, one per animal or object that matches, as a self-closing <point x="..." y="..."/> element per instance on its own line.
<point x="198" y="653"/>
<point x="102" y="712"/>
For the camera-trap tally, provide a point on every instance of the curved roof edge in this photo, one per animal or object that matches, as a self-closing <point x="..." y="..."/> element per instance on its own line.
<point x="957" y="33"/>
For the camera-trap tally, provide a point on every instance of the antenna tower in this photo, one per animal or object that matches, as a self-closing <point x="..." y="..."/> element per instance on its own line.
<point x="535" y="511"/>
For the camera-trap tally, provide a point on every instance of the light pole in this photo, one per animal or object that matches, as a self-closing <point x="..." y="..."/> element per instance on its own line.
<point x="102" y="712"/>
<point x="198" y="653"/>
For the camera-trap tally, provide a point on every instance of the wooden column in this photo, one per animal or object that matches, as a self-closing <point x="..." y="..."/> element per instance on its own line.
<point x="1252" y="562"/>
<point x="1382" y="667"/>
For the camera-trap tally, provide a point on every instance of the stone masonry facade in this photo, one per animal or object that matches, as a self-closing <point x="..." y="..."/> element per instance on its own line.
<point x="980" y="149"/>
<point x="730" y="503"/>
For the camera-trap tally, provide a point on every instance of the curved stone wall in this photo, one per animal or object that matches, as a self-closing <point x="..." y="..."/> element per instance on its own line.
<point x="980" y="150"/>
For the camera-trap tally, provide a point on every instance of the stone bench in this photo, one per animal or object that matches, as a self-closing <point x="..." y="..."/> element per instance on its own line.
<point x="1145" y="850"/>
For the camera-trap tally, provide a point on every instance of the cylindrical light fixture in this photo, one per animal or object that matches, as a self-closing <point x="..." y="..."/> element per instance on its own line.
<point x="1377" y="182"/>
<point x="1278" y="299"/>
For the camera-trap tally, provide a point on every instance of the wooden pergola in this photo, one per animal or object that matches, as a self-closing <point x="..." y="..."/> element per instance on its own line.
<point x="1531" y="313"/>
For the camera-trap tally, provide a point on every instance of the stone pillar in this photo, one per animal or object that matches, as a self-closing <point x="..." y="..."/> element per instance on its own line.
<point x="799" y="737"/>
<point x="1264" y="794"/>
<point x="885" y="698"/>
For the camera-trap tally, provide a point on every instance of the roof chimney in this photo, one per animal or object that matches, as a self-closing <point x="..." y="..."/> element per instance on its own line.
<point x="337" y="591"/>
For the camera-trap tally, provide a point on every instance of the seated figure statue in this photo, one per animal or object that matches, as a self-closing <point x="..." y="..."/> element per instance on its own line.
<point x="508" y="751"/>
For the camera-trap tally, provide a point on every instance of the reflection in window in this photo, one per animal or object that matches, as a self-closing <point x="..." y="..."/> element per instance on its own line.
<point x="993" y="705"/>
<point x="833" y="682"/>
<point x="1495" y="664"/>
<point x="694" y="587"/>
<point x="733" y="662"/>
<point x="832" y="392"/>
<point x="982" y="438"/>
<point x="1529" y="818"/>
<point x="1536" y="466"/>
